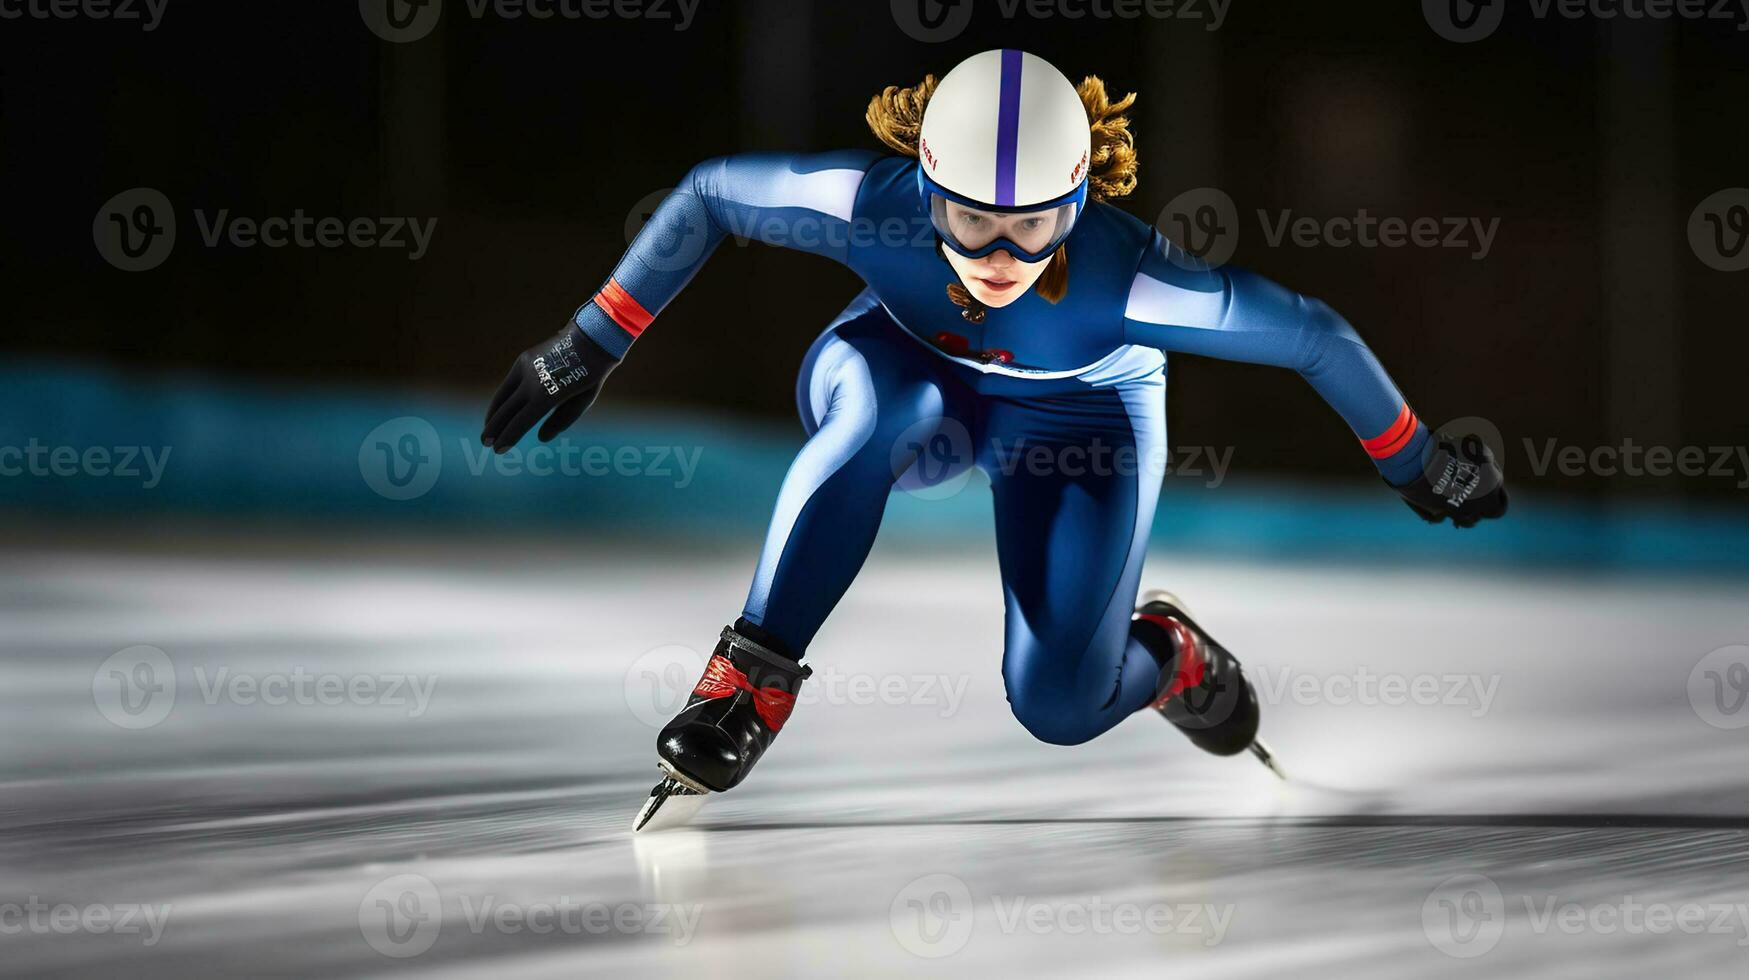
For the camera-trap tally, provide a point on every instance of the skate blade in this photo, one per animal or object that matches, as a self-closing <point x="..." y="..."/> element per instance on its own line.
<point x="673" y="802"/>
<point x="1261" y="751"/>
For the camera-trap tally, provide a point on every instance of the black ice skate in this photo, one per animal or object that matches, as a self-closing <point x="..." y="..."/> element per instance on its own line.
<point x="737" y="708"/>
<point x="1203" y="691"/>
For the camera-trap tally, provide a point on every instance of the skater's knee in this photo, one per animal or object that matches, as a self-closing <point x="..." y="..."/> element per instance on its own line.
<point x="1051" y="720"/>
<point x="1054" y="694"/>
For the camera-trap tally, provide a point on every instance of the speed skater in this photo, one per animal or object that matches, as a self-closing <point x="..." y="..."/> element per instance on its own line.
<point x="1029" y="313"/>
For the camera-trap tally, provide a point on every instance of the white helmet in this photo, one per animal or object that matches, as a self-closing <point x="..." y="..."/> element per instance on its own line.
<point x="1004" y="147"/>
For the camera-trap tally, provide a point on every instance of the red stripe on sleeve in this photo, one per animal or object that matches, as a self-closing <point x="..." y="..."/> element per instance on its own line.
<point x="1393" y="439"/>
<point x="625" y="311"/>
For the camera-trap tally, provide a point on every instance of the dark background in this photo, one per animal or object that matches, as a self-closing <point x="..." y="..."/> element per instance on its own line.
<point x="531" y="141"/>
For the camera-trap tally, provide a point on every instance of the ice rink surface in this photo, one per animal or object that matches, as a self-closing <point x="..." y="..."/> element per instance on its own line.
<point x="338" y="757"/>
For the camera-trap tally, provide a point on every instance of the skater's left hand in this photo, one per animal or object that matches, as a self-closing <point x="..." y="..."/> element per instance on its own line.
<point x="1461" y="481"/>
<point x="561" y="375"/>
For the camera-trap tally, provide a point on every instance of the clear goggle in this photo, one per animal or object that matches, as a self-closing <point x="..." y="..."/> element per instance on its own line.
<point x="975" y="230"/>
<point x="1031" y="236"/>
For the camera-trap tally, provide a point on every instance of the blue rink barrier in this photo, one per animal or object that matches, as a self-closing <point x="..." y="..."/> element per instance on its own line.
<point x="108" y="446"/>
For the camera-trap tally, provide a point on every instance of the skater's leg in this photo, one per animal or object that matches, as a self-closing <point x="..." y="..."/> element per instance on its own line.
<point x="864" y="387"/>
<point x="1075" y="483"/>
<point x="869" y="393"/>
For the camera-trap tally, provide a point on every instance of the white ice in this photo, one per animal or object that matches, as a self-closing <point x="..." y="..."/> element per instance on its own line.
<point x="904" y="823"/>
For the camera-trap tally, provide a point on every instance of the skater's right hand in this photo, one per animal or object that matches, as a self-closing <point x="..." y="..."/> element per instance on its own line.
<point x="561" y="375"/>
<point x="1461" y="480"/>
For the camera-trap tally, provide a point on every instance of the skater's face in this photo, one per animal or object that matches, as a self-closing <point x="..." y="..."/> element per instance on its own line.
<point x="996" y="279"/>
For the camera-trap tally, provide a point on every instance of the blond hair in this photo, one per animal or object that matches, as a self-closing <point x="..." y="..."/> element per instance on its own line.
<point x="895" y="116"/>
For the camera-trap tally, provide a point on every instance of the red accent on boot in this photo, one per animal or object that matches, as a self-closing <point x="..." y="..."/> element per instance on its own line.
<point x="722" y="679"/>
<point x="1188" y="666"/>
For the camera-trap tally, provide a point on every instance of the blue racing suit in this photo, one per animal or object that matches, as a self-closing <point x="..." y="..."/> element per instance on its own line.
<point x="1061" y="404"/>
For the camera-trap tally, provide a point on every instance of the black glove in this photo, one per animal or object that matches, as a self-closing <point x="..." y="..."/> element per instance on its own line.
<point x="561" y="375"/>
<point x="1461" y="480"/>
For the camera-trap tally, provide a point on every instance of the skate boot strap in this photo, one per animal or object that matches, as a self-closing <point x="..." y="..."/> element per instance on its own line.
<point x="1190" y="663"/>
<point x="739" y="664"/>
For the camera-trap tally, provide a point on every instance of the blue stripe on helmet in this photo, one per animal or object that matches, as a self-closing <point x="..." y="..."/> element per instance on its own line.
<point x="1008" y="127"/>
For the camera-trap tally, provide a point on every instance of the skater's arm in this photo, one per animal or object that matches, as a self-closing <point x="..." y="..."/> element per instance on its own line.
<point x="801" y="201"/>
<point x="805" y="202"/>
<point x="1237" y="315"/>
